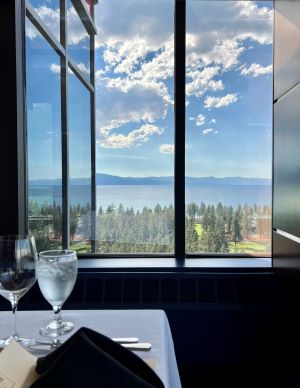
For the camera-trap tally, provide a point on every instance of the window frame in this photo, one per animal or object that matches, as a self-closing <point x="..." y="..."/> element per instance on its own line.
<point x="180" y="258"/>
<point x="66" y="61"/>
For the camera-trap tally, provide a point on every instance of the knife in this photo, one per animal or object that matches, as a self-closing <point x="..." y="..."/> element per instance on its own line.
<point x="138" y="346"/>
<point x="126" y="340"/>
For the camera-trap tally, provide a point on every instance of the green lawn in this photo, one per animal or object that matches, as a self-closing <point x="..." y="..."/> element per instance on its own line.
<point x="251" y="247"/>
<point x="80" y="247"/>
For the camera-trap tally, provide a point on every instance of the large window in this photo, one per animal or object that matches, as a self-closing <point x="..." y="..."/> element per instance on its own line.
<point x="60" y="125"/>
<point x="229" y="126"/>
<point x="107" y="138"/>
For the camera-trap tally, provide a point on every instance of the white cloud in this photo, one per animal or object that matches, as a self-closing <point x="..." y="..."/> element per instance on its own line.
<point x="50" y="17"/>
<point x="55" y="68"/>
<point x="121" y="102"/>
<point x="167" y="148"/>
<point x="217" y="30"/>
<point x="76" y="32"/>
<point x="153" y="20"/>
<point x="219" y="102"/>
<point x="200" y="120"/>
<point x="202" y="81"/>
<point x="135" y="137"/>
<point x="207" y="131"/>
<point x="256" y="69"/>
<point x="82" y="67"/>
<point x="213" y="121"/>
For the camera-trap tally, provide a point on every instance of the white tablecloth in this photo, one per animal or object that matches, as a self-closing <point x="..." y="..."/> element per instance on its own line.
<point x="148" y="325"/>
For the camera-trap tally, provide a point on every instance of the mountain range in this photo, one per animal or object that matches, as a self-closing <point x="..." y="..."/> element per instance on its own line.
<point x="106" y="179"/>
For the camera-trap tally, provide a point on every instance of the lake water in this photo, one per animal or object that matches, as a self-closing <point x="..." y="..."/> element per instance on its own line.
<point x="139" y="196"/>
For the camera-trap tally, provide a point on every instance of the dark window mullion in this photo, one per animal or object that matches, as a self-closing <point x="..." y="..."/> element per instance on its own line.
<point x="93" y="147"/>
<point x="64" y="130"/>
<point x="179" y="155"/>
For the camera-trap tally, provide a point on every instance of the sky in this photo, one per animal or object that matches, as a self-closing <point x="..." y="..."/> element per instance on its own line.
<point x="228" y="89"/>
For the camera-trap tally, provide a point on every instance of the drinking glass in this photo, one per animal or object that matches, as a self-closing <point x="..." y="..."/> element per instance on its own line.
<point x="56" y="273"/>
<point x="17" y="274"/>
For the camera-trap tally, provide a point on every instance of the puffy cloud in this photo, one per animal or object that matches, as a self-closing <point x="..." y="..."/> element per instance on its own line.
<point x="219" y="102"/>
<point x="213" y="121"/>
<point x="135" y="137"/>
<point x="153" y="20"/>
<point x="202" y="81"/>
<point x="200" y="120"/>
<point x="217" y="30"/>
<point x="207" y="130"/>
<point x="121" y="101"/>
<point x="167" y="148"/>
<point x="256" y="69"/>
<point x="50" y="17"/>
<point x="76" y="31"/>
<point x="55" y="68"/>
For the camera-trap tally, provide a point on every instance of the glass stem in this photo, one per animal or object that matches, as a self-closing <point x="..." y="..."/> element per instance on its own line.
<point x="56" y="310"/>
<point x="14" y="306"/>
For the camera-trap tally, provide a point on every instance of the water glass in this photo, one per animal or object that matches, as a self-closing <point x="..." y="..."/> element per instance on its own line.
<point x="56" y="273"/>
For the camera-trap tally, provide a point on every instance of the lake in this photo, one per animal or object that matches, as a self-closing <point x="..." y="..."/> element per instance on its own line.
<point x="139" y="196"/>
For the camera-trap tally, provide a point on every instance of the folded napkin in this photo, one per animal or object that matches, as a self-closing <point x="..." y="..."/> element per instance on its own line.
<point x="90" y="359"/>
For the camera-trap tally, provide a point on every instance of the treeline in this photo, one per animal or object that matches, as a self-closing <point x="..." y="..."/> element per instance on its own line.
<point x="209" y="228"/>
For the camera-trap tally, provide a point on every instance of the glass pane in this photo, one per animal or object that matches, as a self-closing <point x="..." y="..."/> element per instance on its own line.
<point x="135" y="126"/>
<point x="49" y="12"/>
<point x="44" y="141"/>
<point x="229" y="127"/>
<point x="79" y="165"/>
<point x="78" y="40"/>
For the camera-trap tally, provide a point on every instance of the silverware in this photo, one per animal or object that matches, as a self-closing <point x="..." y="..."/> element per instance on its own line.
<point x="49" y="345"/>
<point x="126" y="340"/>
<point x="138" y="346"/>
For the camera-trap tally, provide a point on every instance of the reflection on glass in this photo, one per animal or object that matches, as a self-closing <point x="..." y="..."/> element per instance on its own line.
<point x="135" y="126"/>
<point x="79" y="165"/>
<point x="228" y="127"/>
<point x="44" y="140"/>
<point x="48" y="11"/>
<point x="78" y="40"/>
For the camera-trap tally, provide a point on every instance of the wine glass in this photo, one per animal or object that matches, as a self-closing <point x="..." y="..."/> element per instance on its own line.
<point x="56" y="273"/>
<point x="17" y="274"/>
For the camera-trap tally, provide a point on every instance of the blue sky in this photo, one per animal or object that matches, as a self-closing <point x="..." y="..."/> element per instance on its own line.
<point x="228" y="85"/>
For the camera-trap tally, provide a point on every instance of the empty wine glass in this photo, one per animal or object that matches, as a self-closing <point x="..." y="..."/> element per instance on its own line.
<point x="56" y="273"/>
<point x="17" y="274"/>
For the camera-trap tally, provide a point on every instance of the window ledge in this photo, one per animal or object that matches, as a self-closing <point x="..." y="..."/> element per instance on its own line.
<point x="170" y="264"/>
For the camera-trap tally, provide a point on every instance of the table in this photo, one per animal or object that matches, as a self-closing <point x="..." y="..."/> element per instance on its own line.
<point x="148" y="325"/>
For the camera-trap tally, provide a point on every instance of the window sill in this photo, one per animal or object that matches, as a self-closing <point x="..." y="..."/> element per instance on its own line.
<point x="170" y="264"/>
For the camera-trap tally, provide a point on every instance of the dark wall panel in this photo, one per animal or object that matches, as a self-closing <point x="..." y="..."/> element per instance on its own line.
<point x="287" y="45"/>
<point x="286" y="213"/>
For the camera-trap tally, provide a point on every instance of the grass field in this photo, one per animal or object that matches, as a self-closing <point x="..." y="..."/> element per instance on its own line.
<point x="251" y="247"/>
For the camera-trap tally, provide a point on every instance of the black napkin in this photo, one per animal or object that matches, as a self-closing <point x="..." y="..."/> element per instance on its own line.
<point x="90" y="359"/>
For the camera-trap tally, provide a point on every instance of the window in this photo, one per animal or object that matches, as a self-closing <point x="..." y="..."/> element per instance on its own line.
<point x="126" y="162"/>
<point x="60" y="123"/>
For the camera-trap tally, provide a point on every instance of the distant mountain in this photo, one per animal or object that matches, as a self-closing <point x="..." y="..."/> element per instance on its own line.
<point x="105" y="179"/>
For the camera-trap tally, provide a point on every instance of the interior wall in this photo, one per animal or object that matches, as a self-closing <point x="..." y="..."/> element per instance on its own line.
<point x="286" y="198"/>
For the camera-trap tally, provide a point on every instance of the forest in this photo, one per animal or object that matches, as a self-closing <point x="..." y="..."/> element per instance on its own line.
<point x="209" y="228"/>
